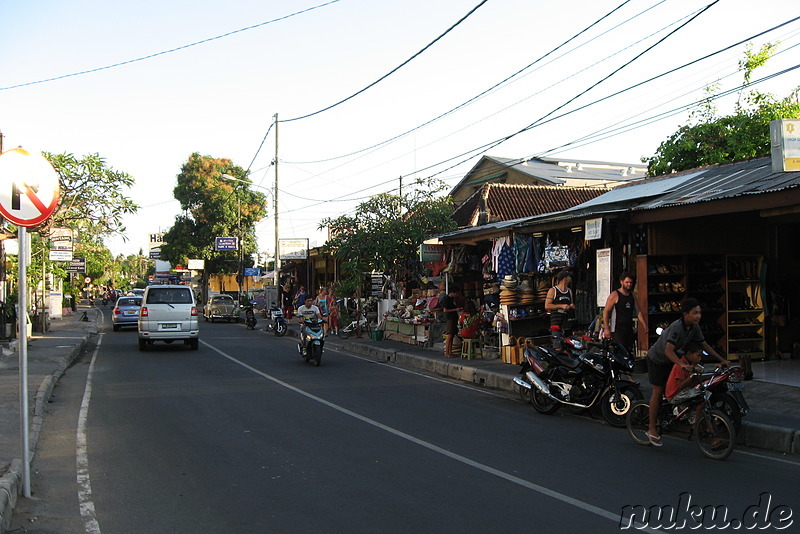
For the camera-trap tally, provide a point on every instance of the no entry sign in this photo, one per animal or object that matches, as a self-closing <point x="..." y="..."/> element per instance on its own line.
<point x="29" y="187"/>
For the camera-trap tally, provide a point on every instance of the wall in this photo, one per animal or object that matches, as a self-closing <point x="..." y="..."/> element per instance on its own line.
<point x="740" y="233"/>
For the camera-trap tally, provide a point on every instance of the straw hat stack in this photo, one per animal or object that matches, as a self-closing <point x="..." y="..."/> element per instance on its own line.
<point x="508" y="291"/>
<point x="526" y="293"/>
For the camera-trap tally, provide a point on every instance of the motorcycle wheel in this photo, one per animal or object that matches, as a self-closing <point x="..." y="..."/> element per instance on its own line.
<point x="280" y="329"/>
<point x="724" y="402"/>
<point x="637" y="420"/>
<point x="316" y="355"/>
<point x="614" y="410"/>
<point x="542" y="403"/>
<point x="715" y="435"/>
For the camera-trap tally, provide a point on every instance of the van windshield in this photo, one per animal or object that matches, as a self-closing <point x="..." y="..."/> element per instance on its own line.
<point x="169" y="296"/>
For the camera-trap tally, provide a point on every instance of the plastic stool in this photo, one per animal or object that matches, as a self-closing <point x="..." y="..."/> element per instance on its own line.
<point x="468" y="348"/>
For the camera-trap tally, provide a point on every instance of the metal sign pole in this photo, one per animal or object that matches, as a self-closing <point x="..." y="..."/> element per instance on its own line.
<point x="22" y="233"/>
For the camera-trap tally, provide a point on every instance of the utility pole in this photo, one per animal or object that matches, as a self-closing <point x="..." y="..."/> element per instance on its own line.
<point x="277" y="263"/>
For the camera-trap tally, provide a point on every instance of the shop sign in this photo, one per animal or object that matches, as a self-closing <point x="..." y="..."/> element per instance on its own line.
<point x="785" y="138"/>
<point x="197" y="265"/>
<point x="252" y="271"/>
<point x="594" y="228"/>
<point x="603" y="272"/>
<point x="77" y="265"/>
<point x="60" y="244"/>
<point x="376" y="285"/>
<point x="156" y="240"/>
<point x="293" y="249"/>
<point x="226" y="243"/>
<point x="431" y="252"/>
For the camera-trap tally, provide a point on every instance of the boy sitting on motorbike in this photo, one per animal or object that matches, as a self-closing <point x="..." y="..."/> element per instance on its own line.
<point x="681" y="379"/>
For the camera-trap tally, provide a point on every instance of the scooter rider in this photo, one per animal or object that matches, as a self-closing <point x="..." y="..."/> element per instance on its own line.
<point x="306" y="311"/>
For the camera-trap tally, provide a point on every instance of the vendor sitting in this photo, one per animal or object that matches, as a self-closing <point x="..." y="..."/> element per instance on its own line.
<point x="469" y="322"/>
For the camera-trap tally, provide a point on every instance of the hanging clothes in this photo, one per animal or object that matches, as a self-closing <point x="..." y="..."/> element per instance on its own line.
<point x="521" y="248"/>
<point x="505" y="261"/>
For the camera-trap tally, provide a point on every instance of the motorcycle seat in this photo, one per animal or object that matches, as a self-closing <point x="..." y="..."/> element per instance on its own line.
<point x="568" y="361"/>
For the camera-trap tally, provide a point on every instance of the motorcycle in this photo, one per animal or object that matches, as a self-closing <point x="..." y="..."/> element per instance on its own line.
<point x="727" y="392"/>
<point x="249" y="317"/>
<point x="312" y="340"/>
<point x="566" y="376"/>
<point x="713" y="431"/>
<point x="278" y="326"/>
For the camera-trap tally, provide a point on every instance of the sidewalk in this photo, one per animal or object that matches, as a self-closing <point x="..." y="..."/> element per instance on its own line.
<point x="773" y="422"/>
<point x="49" y="355"/>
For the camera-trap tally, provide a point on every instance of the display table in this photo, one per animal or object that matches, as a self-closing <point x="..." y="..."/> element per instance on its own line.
<point x="418" y="334"/>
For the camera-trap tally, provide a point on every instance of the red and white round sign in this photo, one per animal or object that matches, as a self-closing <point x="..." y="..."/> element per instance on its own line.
<point x="29" y="187"/>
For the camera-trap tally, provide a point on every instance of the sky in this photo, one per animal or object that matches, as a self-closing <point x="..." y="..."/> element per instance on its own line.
<point x="145" y="85"/>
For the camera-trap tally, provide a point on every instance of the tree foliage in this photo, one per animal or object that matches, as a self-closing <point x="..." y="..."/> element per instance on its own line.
<point x="709" y="139"/>
<point x="213" y="207"/>
<point x="92" y="195"/>
<point x="384" y="233"/>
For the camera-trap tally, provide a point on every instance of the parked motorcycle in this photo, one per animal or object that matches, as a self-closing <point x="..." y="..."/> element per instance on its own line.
<point x="312" y="340"/>
<point x="249" y="317"/>
<point x="278" y="325"/>
<point x="713" y="431"/>
<point x="580" y="380"/>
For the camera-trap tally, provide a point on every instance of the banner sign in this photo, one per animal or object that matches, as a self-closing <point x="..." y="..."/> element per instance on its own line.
<point x="77" y="265"/>
<point x="603" y="273"/>
<point x="594" y="228"/>
<point x="226" y="243"/>
<point x="61" y="244"/>
<point x="156" y="240"/>
<point x="431" y="252"/>
<point x="252" y="271"/>
<point x="293" y="249"/>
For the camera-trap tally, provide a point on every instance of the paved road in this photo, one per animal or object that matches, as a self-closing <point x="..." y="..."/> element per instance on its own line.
<point x="242" y="436"/>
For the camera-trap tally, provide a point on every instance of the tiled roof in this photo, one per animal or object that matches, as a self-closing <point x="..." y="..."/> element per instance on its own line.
<point x="513" y="201"/>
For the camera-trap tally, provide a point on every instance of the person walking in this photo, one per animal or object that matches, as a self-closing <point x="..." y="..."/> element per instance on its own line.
<point x="621" y="307"/>
<point x="450" y="309"/>
<point x="333" y="313"/>
<point x="322" y="303"/>
<point x="559" y="302"/>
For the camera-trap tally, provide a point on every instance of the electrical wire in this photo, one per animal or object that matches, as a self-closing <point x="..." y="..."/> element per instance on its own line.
<point x="403" y="64"/>
<point x="540" y="121"/>
<point x="171" y="50"/>
<point x="490" y="89"/>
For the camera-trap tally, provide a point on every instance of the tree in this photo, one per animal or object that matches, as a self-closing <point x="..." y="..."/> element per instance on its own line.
<point x="213" y="207"/>
<point x="385" y="232"/>
<point x="708" y="139"/>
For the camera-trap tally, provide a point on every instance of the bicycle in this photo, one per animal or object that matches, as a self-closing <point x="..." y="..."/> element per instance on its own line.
<point x="712" y="430"/>
<point x="358" y="325"/>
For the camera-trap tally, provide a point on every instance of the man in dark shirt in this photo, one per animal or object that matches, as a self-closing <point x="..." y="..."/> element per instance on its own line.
<point x="450" y="309"/>
<point x="621" y="308"/>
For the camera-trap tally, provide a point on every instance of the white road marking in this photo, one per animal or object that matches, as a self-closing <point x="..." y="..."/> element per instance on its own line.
<point x="85" y="502"/>
<point x="615" y="517"/>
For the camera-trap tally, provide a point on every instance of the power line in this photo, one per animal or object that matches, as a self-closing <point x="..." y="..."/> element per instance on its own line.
<point x="496" y="85"/>
<point x="404" y="63"/>
<point x="540" y="121"/>
<point x="150" y="56"/>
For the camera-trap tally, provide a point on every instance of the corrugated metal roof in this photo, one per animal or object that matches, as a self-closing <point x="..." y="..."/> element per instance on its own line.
<point x="726" y="181"/>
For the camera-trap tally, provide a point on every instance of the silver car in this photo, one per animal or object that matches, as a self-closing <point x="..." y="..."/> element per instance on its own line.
<point x="126" y="312"/>
<point x="169" y="313"/>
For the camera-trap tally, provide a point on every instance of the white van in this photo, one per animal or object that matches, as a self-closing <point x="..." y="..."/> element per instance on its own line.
<point x="168" y="313"/>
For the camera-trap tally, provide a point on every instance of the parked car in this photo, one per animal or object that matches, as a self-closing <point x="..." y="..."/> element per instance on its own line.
<point x="126" y="312"/>
<point x="221" y="307"/>
<point x="169" y="313"/>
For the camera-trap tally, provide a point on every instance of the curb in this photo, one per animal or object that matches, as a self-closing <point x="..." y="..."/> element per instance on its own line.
<point x="11" y="481"/>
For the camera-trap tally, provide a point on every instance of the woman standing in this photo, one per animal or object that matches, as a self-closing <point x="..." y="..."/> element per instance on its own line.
<point x="333" y="312"/>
